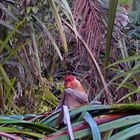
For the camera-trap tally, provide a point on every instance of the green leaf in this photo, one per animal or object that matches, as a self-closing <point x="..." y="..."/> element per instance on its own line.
<point x="50" y="120"/>
<point x="49" y="36"/>
<point x="112" y="11"/>
<point x="11" y="34"/>
<point x="125" y="121"/>
<point x="64" y="6"/>
<point x="127" y="133"/>
<point x="59" y="24"/>
<point x="16" y="130"/>
<point x="35" y="9"/>
<point x="77" y="135"/>
<point x="5" y="76"/>
<point x="7" y="25"/>
<point x="130" y="58"/>
<point x="129" y="74"/>
<point x="6" y="46"/>
<point x="127" y="95"/>
<point x="93" y="126"/>
<point x="13" y="52"/>
<point x="26" y="124"/>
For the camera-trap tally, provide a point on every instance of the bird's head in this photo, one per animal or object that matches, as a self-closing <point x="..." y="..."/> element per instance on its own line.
<point x="70" y="81"/>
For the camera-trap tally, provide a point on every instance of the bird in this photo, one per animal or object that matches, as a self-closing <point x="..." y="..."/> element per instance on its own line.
<point x="74" y="95"/>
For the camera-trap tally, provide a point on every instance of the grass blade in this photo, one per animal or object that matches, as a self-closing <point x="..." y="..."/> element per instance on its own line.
<point x="93" y="126"/>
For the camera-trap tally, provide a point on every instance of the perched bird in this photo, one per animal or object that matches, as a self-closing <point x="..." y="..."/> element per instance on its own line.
<point x="74" y="95"/>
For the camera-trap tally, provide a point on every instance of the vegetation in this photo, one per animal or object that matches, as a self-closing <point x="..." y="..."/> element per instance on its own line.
<point x="41" y="42"/>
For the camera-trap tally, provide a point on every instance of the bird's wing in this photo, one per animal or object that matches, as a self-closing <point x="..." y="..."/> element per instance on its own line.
<point x="79" y="96"/>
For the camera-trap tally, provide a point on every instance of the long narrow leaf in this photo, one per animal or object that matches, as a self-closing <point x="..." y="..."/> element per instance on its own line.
<point x="5" y="76"/>
<point x="83" y="131"/>
<point x="64" y="6"/>
<point x="27" y="124"/>
<point x="125" y="121"/>
<point x="93" y="126"/>
<point x="49" y="36"/>
<point x="6" y="46"/>
<point x="15" y="51"/>
<point x="127" y="133"/>
<point x="112" y="11"/>
<point x="16" y="130"/>
<point x="11" y="34"/>
<point x="7" y="25"/>
<point x="50" y="120"/>
<point x="36" y="50"/>
<point x="130" y="58"/>
<point x="127" y="95"/>
<point x="59" y="24"/>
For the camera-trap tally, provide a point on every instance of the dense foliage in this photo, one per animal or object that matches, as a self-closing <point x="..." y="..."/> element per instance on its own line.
<point x="42" y="41"/>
